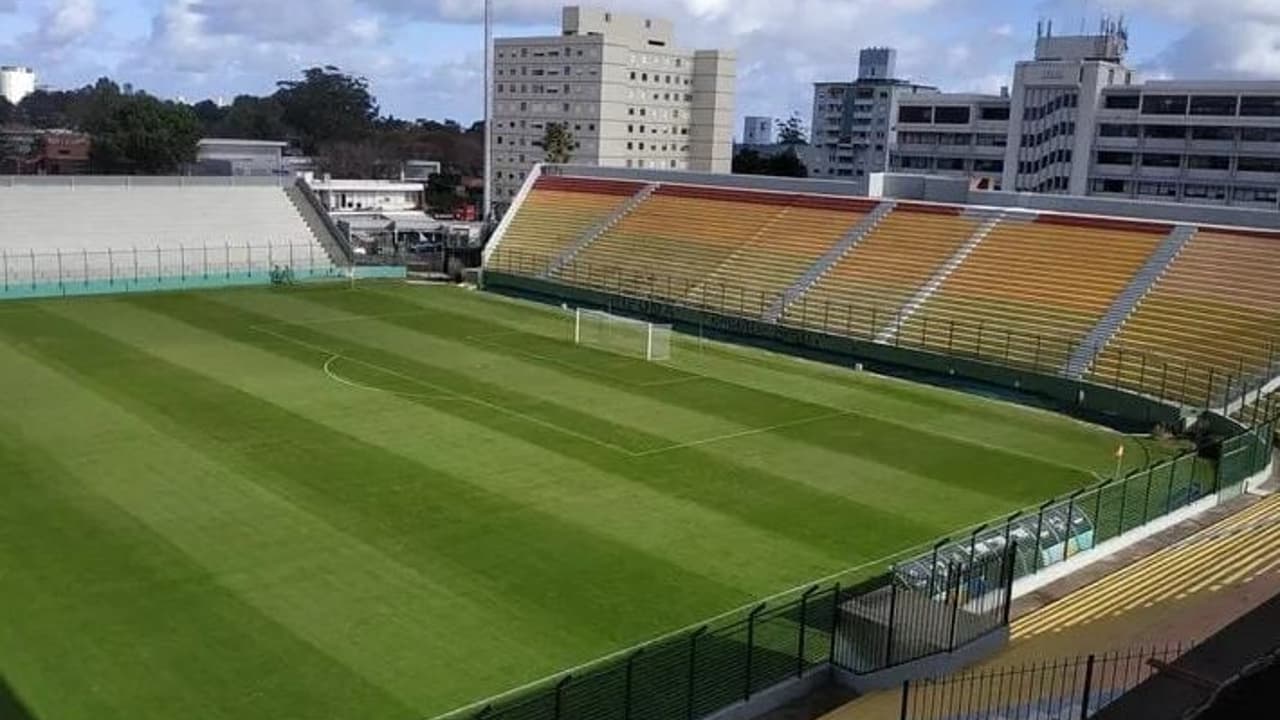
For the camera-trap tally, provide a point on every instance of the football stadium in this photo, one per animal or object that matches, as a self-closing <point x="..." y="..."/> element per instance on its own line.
<point x="689" y="442"/>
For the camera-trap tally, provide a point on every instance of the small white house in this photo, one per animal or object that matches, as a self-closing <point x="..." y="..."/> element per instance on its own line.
<point x="368" y="196"/>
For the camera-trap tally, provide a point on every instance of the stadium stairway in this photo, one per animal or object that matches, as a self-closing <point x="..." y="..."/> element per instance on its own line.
<point x="594" y="232"/>
<point x="829" y="259"/>
<point x="1127" y="301"/>
<point x="1212" y="319"/>
<point x="323" y="229"/>
<point x="989" y="220"/>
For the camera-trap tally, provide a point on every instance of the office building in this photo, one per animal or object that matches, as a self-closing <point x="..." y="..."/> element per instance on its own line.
<point x="628" y="96"/>
<point x="852" y="128"/>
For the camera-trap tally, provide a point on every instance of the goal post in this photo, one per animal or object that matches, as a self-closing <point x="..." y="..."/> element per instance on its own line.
<point x="622" y="335"/>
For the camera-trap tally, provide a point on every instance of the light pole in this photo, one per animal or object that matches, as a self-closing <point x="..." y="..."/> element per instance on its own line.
<point x="488" y="114"/>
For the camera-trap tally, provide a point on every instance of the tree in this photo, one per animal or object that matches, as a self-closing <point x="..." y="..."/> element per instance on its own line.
<point x="8" y="113"/>
<point x="209" y="114"/>
<point x="327" y="105"/>
<point x="141" y="134"/>
<point x="557" y="143"/>
<point x="254" y="118"/>
<point x="786" y="164"/>
<point x="792" y="131"/>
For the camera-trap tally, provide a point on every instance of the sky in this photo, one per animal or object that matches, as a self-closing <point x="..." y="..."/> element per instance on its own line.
<point x="423" y="58"/>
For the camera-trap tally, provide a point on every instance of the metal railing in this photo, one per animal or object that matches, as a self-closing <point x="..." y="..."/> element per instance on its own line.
<point x="1220" y="385"/>
<point x="72" y="182"/>
<point x="1066" y="689"/>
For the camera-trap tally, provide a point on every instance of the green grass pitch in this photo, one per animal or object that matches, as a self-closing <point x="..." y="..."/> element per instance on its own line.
<point x="385" y="502"/>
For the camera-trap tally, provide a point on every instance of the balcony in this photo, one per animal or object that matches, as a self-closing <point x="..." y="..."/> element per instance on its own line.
<point x="1260" y="178"/>
<point x="1111" y="171"/>
<point x="1259" y="148"/>
<point x="1219" y="146"/>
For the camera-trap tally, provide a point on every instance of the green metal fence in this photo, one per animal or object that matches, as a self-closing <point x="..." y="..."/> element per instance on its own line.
<point x="58" y="273"/>
<point x="930" y="601"/>
<point x="1223" y="385"/>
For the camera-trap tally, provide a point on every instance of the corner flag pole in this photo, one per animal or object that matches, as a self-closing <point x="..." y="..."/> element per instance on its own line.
<point x="1119" y="460"/>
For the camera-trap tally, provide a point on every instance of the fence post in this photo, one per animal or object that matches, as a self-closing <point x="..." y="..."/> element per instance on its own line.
<point x="1164" y="379"/>
<point x="1035" y="558"/>
<point x="1208" y="393"/>
<point x="1035" y="365"/>
<point x="893" y="608"/>
<point x="804" y="607"/>
<point x="835" y="622"/>
<point x="1088" y="688"/>
<point x="693" y="668"/>
<point x="1008" y="582"/>
<point x="933" y="562"/>
<point x="981" y="325"/>
<point x="955" y="606"/>
<point x="560" y="695"/>
<point x="629" y="683"/>
<point x="906" y="692"/>
<point x="751" y="646"/>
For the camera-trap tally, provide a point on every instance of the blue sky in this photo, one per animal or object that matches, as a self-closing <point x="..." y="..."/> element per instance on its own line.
<point x="423" y="57"/>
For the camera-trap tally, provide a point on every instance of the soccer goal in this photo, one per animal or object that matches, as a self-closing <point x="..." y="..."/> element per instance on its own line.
<point x="621" y="335"/>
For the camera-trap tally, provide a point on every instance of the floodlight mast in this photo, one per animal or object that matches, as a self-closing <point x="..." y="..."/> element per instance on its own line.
<point x="487" y="211"/>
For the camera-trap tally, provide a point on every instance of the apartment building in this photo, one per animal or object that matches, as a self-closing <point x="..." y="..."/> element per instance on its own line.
<point x="852" y="127"/>
<point x="954" y="134"/>
<point x="626" y="93"/>
<point x="1195" y="142"/>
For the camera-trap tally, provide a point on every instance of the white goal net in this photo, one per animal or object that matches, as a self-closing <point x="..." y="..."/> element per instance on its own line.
<point x="625" y="336"/>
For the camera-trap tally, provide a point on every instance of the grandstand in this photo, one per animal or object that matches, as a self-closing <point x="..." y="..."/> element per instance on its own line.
<point x="1215" y="311"/>
<point x="1059" y="293"/>
<point x="91" y="229"/>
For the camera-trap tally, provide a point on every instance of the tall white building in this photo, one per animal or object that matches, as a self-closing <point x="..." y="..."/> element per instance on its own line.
<point x="1055" y="104"/>
<point x="16" y="83"/>
<point x="626" y="93"/>
<point x="852" y="126"/>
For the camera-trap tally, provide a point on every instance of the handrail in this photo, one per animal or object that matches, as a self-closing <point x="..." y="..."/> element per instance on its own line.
<point x="339" y="238"/>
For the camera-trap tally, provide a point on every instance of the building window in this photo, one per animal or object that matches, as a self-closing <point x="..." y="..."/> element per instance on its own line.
<point x="1115" y="158"/>
<point x="1101" y="185"/>
<point x="1122" y="101"/>
<point x="1267" y="135"/>
<point x="1165" y="132"/>
<point x="1213" y="105"/>
<point x="1164" y="105"/>
<point x="1258" y="164"/>
<point x="1000" y="112"/>
<point x="1208" y="162"/>
<point x="1162" y="160"/>
<point x="1158" y="189"/>
<point x="988" y="166"/>
<point x="950" y="163"/>
<point x="1260" y="105"/>
<point x="915" y="114"/>
<point x="1116" y="130"/>
<point x="1213" y="132"/>
<point x="1254" y="194"/>
<point x="951" y="115"/>
<point x="1204" y="192"/>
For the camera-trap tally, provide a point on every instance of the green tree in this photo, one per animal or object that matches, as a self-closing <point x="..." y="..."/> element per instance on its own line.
<point x="254" y="118"/>
<point x="557" y="143"/>
<point x="786" y="164"/>
<point x="8" y="113"/>
<point x="792" y="131"/>
<point x="140" y="134"/>
<point x="327" y="105"/>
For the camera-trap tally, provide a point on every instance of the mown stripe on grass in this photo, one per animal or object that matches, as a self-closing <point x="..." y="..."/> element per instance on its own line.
<point x="104" y="618"/>
<point x="966" y="463"/>
<point x="746" y="557"/>
<point x="580" y="583"/>
<point x="774" y="503"/>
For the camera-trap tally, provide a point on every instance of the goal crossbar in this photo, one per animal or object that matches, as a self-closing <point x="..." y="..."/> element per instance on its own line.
<point x="622" y="335"/>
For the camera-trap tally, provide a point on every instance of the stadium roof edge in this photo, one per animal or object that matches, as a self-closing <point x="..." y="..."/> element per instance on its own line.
<point x="948" y="191"/>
